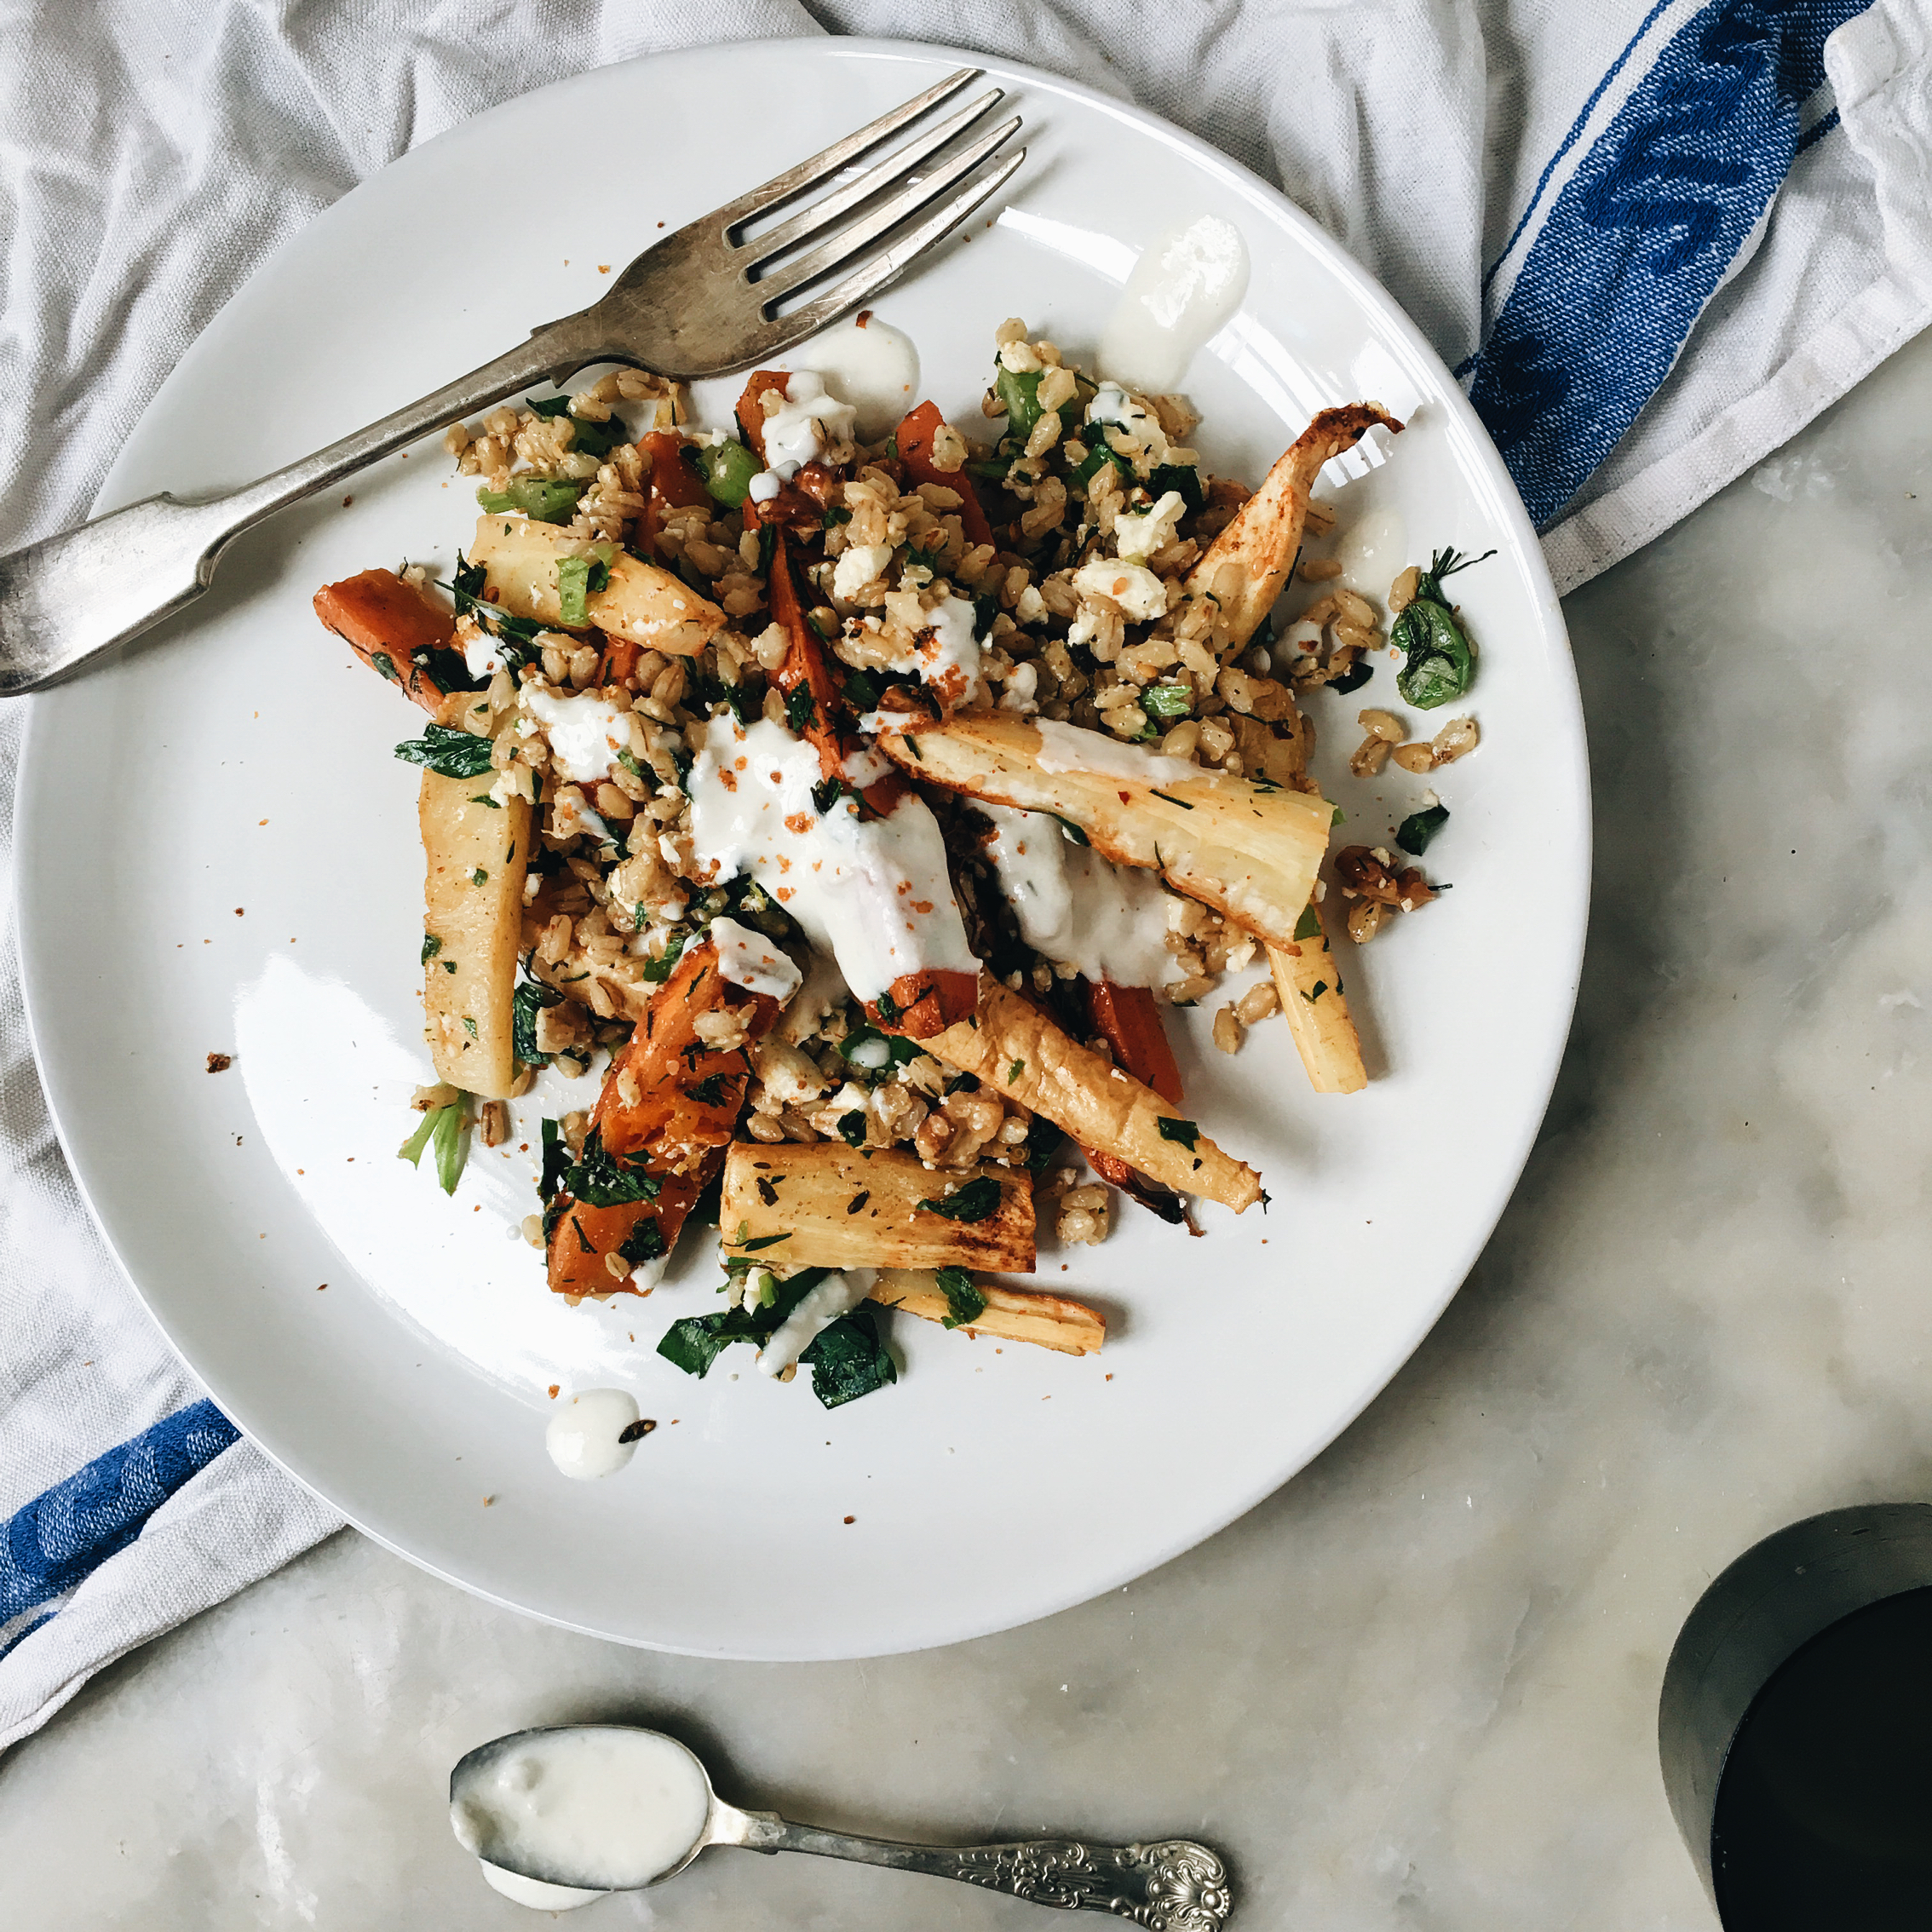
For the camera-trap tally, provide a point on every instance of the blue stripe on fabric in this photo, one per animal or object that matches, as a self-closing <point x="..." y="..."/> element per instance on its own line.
<point x="25" y="1631"/>
<point x="1817" y="130"/>
<point x="1642" y="235"/>
<point x="72" y="1528"/>
<point x="1570" y="141"/>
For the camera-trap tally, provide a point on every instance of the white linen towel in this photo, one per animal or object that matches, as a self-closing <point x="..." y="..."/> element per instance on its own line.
<point x="1656" y="239"/>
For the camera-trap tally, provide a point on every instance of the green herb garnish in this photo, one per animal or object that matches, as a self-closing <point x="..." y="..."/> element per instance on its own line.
<point x="578" y="580"/>
<point x="644" y="1243"/>
<point x="1020" y="393"/>
<point x="441" y="1131"/>
<point x="977" y="1199"/>
<point x="526" y="1003"/>
<point x="965" y="1302"/>
<point x="728" y="468"/>
<point x="801" y="713"/>
<point x="1184" y="1131"/>
<point x="1414" y="833"/>
<point x="1308" y="926"/>
<point x="657" y="971"/>
<point x="601" y="1179"/>
<point x="431" y="946"/>
<point x="556" y="1162"/>
<point x="1441" y="663"/>
<point x="849" y="1359"/>
<point x="448" y="753"/>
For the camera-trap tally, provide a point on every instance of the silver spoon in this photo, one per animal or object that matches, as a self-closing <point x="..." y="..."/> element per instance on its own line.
<point x="1175" y="1885"/>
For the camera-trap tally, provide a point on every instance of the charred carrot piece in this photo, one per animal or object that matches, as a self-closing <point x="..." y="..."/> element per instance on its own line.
<point x="395" y="630"/>
<point x="804" y="670"/>
<point x="750" y="406"/>
<point x="921" y="1005"/>
<point x="914" y="441"/>
<point x="669" y="1106"/>
<point x="1128" y="1018"/>
<point x="675" y="484"/>
<point x="581" y="1235"/>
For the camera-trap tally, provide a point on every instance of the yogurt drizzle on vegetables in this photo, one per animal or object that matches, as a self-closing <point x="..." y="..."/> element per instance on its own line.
<point x="837" y="1294"/>
<point x="1076" y="908"/>
<point x="873" y="892"/>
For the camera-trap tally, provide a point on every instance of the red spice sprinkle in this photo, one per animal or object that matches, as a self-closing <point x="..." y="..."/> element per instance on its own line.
<point x="852" y="1519"/>
<point x="553" y="1387"/>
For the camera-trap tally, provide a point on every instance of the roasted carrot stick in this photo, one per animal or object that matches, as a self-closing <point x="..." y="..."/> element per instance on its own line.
<point x="394" y="629"/>
<point x="675" y="484"/>
<point x="669" y="1106"/>
<point x="804" y="676"/>
<point x="922" y="1003"/>
<point x="1128" y="1019"/>
<point x="914" y="441"/>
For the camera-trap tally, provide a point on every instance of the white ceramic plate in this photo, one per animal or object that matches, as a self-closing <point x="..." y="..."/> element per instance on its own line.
<point x="218" y="853"/>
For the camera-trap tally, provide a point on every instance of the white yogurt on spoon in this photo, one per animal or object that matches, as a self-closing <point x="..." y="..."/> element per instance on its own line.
<point x="1188" y="281"/>
<point x="609" y="1806"/>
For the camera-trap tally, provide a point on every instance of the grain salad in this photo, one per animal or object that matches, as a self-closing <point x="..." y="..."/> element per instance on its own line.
<point x="850" y="809"/>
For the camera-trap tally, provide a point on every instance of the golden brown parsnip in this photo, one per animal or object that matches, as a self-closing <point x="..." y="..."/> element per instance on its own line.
<point x="823" y="1205"/>
<point x="642" y="604"/>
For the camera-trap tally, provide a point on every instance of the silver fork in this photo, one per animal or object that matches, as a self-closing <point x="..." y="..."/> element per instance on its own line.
<point x="699" y="302"/>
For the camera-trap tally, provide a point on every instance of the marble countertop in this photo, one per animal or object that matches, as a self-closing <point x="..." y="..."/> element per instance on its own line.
<point x="1417" y="1687"/>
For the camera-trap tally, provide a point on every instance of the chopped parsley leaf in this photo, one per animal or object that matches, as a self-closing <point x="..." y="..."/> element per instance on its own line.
<point x="977" y="1199"/>
<point x="965" y="1302"/>
<point x="449" y="753"/>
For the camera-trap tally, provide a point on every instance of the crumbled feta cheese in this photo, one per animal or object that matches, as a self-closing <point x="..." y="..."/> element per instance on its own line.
<point x="859" y="564"/>
<point x="1140" y="534"/>
<point x="480" y="653"/>
<point x="1133" y="587"/>
<point x="750" y="960"/>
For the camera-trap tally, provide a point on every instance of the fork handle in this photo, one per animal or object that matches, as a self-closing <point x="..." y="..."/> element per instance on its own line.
<point x="1172" y="1886"/>
<point x="70" y="597"/>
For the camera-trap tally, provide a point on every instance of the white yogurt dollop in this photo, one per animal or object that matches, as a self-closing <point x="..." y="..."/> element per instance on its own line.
<point x="873" y="365"/>
<point x="586" y="1435"/>
<point x="807" y="419"/>
<point x="1187" y="282"/>
<point x="610" y="1807"/>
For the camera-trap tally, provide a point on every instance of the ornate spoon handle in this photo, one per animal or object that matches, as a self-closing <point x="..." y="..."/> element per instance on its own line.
<point x="1174" y="1886"/>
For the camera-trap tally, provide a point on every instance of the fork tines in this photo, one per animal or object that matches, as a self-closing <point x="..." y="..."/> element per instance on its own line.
<point x="939" y="177"/>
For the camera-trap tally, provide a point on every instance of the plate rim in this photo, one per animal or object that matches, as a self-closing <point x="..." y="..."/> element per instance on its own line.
<point x="1573" y="913"/>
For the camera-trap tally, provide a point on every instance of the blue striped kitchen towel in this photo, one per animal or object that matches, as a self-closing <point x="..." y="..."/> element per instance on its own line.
<point x="1656" y="236"/>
